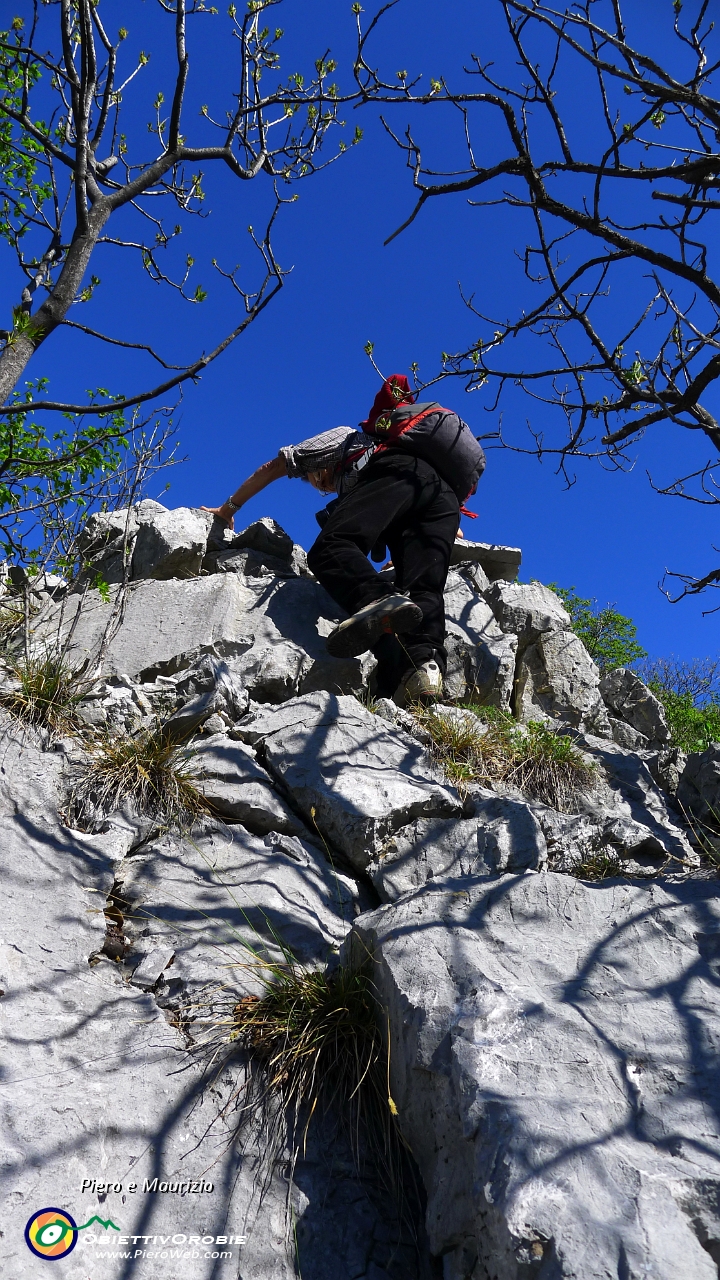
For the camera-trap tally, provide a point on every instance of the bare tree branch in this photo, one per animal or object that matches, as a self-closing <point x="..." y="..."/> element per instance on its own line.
<point x="601" y="379"/>
<point x="59" y="194"/>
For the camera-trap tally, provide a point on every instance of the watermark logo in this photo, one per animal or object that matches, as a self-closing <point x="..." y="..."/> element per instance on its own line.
<point x="53" y="1233"/>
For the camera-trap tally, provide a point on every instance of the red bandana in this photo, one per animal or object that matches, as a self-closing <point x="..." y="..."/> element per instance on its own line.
<point x="395" y="390"/>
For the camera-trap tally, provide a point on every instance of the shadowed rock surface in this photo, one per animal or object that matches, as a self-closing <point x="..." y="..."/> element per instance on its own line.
<point x="554" y="1058"/>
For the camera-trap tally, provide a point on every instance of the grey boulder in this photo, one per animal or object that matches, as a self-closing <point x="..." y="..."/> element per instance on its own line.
<point x="509" y="836"/>
<point x="352" y="776"/>
<point x="107" y="540"/>
<point x="667" y="768"/>
<point x="221" y="902"/>
<point x="627" y="792"/>
<point x="527" y="610"/>
<point x="190" y="717"/>
<point x="237" y="787"/>
<point x="474" y="574"/>
<point x="481" y="658"/>
<point x="625" y="736"/>
<point x="635" y="704"/>
<point x="558" y="679"/>
<point x="698" y="791"/>
<point x="428" y="849"/>
<point x="263" y="549"/>
<point x="503" y="835"/>
<point x="532" y="1023"/>
<point x="170" y="545"/>
<point x="495" y="560"/>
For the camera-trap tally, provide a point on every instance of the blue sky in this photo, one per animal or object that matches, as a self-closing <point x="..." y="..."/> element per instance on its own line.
<point x="301" y="367"/>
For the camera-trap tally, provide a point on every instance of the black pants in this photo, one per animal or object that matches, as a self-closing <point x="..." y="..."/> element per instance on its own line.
<point x="402" y="500"/>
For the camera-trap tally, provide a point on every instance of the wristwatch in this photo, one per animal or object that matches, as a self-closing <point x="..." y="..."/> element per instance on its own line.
<point x="234" y="506"/>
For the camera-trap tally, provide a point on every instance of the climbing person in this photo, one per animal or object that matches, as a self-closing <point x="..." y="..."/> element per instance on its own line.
<point x="400" y="483"/>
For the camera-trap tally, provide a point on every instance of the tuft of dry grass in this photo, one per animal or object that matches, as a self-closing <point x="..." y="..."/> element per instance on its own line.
<point x="533" y="758"/>
<point x="154" y="776"/>
<point x="12" y="617"/>
<point x="316" y="1035"/>
<point x="46" y="693"/>
<point x="706" y="834"/>
<point x="599" y="865"/>
<point x="316" y="1050"/>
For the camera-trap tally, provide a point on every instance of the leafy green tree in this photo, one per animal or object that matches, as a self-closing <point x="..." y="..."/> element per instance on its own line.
<point x="608" y="636"/>
<point x="50" y="481"/>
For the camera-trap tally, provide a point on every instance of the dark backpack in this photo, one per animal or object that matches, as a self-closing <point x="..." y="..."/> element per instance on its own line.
<point x="436" y="435"/>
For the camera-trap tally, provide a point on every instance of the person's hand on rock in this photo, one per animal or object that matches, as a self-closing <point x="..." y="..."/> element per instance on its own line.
<point x="222" y="513"/>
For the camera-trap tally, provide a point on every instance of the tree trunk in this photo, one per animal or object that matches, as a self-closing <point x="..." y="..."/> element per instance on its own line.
<point x="16" y="355"/>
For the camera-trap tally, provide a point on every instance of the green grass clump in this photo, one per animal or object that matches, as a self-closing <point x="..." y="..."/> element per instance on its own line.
<point x="532" y="758"/>
<point x="317" y="1037"/>
<point x="317" y="1051"/>
<point x="47" y="694"/>
<point x="599" y="865"/>
<point x="145" y="770"/>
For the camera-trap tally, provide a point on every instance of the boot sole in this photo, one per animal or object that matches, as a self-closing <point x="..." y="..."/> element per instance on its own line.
<point x="349" y="641"/>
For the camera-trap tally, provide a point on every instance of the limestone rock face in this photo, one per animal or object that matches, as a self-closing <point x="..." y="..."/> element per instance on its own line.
<point x="98" y="1014"/>
<point x="170" y="545"/>
<point x="425" y="850"/>
<point x="347" y="771"/>
<point x="635" y="704"/>
<point x="208" y="900"/>
<point x="699" y="787"/>
<point x="527" y="610"/>
<point x="510" y="837"/>
<point x="548" y="977"/>
<point x="629" y="794"/>
<point x="557" y="678"/>
<point x="108" y="539"/>
<point x="481" y="658"/>
<point x="272" y="624"/>
<point x="102" y="1061"/>
<point x="239" y="789"/>
<point x="531" y="1031"/>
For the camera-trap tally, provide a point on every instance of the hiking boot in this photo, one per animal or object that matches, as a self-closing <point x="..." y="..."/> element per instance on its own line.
<point x="387" y="616"/>
<point x="425" y="684"/>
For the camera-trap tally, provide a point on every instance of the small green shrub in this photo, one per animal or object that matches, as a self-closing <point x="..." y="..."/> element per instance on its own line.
<point x="144" y="770"/>
<point x="47" y="693"/>
<point x="533" y="758"/>
<point x="608" y="636"/>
